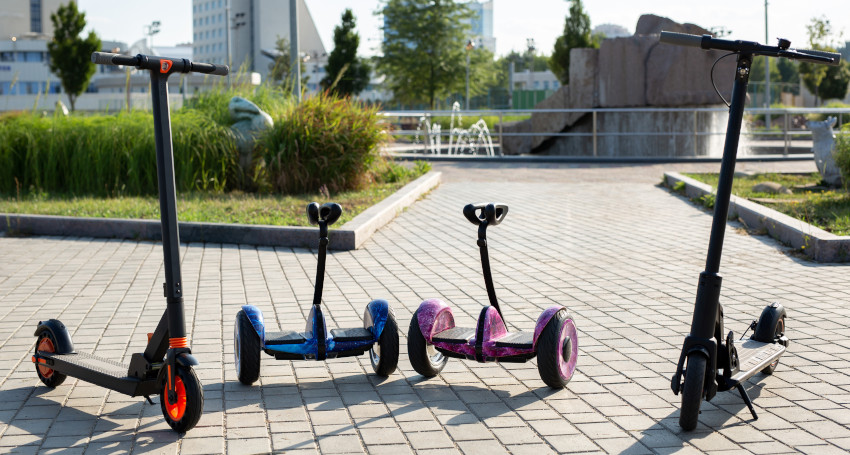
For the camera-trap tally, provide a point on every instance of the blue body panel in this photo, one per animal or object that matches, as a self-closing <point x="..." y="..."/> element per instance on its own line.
<point x="374" y="318"/>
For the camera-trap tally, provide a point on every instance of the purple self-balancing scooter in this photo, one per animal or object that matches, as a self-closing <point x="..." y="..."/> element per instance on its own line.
<point x="433" y="336"/>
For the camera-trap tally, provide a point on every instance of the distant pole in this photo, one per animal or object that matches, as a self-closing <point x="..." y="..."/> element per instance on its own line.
<point x="469" y="46"/>
<point x="766" y="71"/>
<point x="511" y="86"/>
<point x="293" y="48"/>
<point x="227" y="25"/>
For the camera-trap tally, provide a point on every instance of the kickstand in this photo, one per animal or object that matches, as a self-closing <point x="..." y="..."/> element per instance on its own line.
<point x="147" y="397"/>
<point x="747" y="401"/>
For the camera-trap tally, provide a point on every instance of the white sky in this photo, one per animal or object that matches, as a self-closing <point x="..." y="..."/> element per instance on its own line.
<point x="513" y="20"/>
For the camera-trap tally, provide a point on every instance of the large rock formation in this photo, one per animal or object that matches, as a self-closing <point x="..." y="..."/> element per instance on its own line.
<point x="635" y="71"/>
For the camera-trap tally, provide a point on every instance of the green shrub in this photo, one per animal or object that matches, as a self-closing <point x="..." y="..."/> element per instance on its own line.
<point x="110" y="154"/>
<point x="842" y="154"/>
<point x="323" y="141"/>
<point x="214" y="102"/>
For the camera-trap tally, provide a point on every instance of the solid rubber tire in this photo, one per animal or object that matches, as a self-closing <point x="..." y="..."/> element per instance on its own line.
<point x="778" y="330"/>
<point x="692" y="391"/>
<point x="548" y="347"/>
<point x="194" y="401"/>
<point x="56" y="378"/>
<point x="388" y="342"/>
<point x="249" y="350"/>
<point x="417" y="351"/>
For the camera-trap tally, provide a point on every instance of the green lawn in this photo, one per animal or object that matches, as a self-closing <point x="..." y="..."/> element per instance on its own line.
<point x="826" y="209"/>
<point x="204" y="207"/>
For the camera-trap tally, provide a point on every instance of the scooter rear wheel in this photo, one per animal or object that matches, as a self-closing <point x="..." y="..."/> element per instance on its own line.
<point x="184" y="412"/>
<point x="557" y="350"/>
<point x="424" y="358"/>
<point x="692" y="391"/>
<point x="246" y="349"/>
<point x="384" y="353"/>
<point x="778" y="331"/>
<point x="48" y="376"/>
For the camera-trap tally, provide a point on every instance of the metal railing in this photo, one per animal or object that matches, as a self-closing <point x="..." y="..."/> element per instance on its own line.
<point x="682" y="127"/>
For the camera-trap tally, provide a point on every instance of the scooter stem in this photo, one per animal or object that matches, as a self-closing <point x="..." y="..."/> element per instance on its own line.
<point x="320" y="268"/>
<point x="485" y="266"/>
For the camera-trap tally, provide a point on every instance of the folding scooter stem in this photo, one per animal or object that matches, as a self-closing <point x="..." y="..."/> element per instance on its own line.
<point x="318" y="318"/>
<point x="485" y="266"/>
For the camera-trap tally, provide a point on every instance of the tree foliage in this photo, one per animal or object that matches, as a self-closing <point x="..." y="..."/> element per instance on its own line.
<point x="280" y="69"/>
<point x="346" y="73"/>
<point x="825" y="82"/>
<point x="576" y="35"/>
<point x="70" y="53"/>
<point x="424" y="49"/>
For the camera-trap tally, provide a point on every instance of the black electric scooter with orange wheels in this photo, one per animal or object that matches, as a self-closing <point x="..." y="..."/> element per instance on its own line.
<point x="708" y="362"/>
<point x="165" y="368"/>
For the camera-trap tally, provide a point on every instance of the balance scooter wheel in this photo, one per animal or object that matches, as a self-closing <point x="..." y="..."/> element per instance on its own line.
<point x="424" y="357"/>
<point x="49" y="377"/>
<point x="184" y="411"/>
<point x="557" y="350"/>
<point x="692" y="391"/>
<point x="384" y="353"/>
<point x="246" y="349"/>
<point x="770" y="327"/>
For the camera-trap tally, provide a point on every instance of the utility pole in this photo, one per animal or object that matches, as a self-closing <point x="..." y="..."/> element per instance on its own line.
<point x="293" y="48"/>
<point x="469" y="47"/>
<point x="766" y="72"/>
<point x="227" y="39"/>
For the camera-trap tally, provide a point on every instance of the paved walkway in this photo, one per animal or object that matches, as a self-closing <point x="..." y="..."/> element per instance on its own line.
<point x="621" y="253"/>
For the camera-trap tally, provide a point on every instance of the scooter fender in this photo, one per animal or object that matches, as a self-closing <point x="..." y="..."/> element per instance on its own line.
<point x="256" y="317"/>
<point x="434" y="316"/>
<point x="187" y="360"/>
<point x="375" y="317"/>
<point x="544" y="319"/>
<point x="60" y="334"/>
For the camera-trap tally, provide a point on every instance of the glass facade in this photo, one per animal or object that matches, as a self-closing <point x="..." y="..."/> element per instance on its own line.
<point x="35" y="16"/>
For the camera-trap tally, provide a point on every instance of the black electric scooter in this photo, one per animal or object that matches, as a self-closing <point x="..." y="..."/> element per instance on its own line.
<point x="165" y="368"/>
<point x="715" y="364"/>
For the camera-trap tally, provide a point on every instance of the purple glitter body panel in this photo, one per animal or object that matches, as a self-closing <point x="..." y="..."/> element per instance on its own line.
<point x="434" y="316"/>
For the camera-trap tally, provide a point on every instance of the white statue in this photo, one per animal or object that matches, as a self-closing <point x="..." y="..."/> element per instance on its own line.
<point x="823" y="148"/>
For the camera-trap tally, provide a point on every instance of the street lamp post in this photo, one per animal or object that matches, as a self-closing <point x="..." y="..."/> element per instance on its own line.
<point x="151" y="30"/>
<point x="469" y="47"/>
<point x="294" y="48"/>
<point x="530" y="44"/>
<point x="766" y="72"/>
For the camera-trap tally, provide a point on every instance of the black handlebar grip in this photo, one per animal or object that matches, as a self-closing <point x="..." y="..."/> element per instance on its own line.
<point x="210" y="68"/>
<point x="681" y="39"/>
<point x="836" y="57"/>
<point x="107" y="58"/>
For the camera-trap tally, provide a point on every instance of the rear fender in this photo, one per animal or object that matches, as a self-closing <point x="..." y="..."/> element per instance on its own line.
<point x="434" y="316"/>
<point x="544" y="319"/>
<point x="60" y="334"/>
<point x="375" y="317"/>
<point x="256" y="317"/>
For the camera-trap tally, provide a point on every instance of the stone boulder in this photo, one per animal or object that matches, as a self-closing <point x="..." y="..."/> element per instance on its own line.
<point x="681" y="76"/>
<point x="516" y="145"/>
<point x="823" y="148"/>
<point x="622" y="71"/>
<point x="771" y="188"/>
<point x="650" y="24"/>
<point x="248" y="121"/>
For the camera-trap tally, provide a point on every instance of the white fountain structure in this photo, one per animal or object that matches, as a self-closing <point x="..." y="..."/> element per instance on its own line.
<point x="472" y="141"/>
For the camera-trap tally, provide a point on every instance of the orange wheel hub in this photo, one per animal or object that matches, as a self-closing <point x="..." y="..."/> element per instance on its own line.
<point x="45" y="345"/>
<point x="177" y="409"/>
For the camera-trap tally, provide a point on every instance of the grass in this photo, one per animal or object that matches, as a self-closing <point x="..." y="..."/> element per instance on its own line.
<point x="826" y="209"/>
<point x="234" y="207"/>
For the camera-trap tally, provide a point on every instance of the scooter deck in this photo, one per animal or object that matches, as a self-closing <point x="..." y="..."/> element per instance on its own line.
<point x="754" y="356"/>
<point x="99" y="371"/>
<point x="339" y="335"/>
<point x="464" y="335"/>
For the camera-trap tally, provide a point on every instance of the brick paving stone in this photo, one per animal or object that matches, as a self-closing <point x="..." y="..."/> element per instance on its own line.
<point x="622" y="254"/>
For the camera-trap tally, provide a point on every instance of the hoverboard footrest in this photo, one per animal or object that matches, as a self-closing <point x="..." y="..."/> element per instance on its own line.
<point x="519" y="340"/>
<point x="353" y="334"/>
<point x="454" y="335"/>
<point x="288" y="337"/>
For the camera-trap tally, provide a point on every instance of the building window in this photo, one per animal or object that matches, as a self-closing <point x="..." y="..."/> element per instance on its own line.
<point x="35" y="16"/>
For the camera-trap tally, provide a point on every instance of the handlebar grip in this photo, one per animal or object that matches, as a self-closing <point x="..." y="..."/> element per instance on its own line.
<point x="836" y="57"/>
<point x="681" y="39"/>
<point x="210" y="68"/>
<point x="107" y="58"/>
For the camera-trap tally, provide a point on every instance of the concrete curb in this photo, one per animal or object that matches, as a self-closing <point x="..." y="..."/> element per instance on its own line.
<point x="818" y="244"/>
<point x="349" y="236"/>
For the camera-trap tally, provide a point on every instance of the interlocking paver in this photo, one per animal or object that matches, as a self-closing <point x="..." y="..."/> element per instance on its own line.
<point x="621" y="253"/>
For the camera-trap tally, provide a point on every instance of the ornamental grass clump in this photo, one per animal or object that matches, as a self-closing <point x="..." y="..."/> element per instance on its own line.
<point x="325" y="141"/>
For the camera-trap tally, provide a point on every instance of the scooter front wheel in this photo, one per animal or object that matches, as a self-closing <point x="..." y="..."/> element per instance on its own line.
<point x="182" y="409"/>
<point x="424" y="357"/>
<point x="557" y="350"/>
<point x="692" y="391"/>
<point x="48" y="376"/>
<point x="384" y="353"/>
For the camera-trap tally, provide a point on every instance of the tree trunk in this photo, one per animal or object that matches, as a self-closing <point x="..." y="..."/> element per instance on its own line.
<point x="72" y="99"/>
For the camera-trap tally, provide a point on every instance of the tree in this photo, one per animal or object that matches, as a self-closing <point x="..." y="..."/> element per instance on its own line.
<point x="70" y="54"/>
<point x="280" y="69"/>
<point x="424" y="48"/>
<point x="576" y="35"/>
<point x="824" y="81"/>
<point x="346" y="73"/>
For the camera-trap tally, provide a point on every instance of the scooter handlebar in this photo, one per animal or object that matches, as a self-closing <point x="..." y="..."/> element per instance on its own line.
<point x="107" y="58"/>
<point x="492" y="212"/>
<point x="210" y="68"/>
<point x="681" y="39"/>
